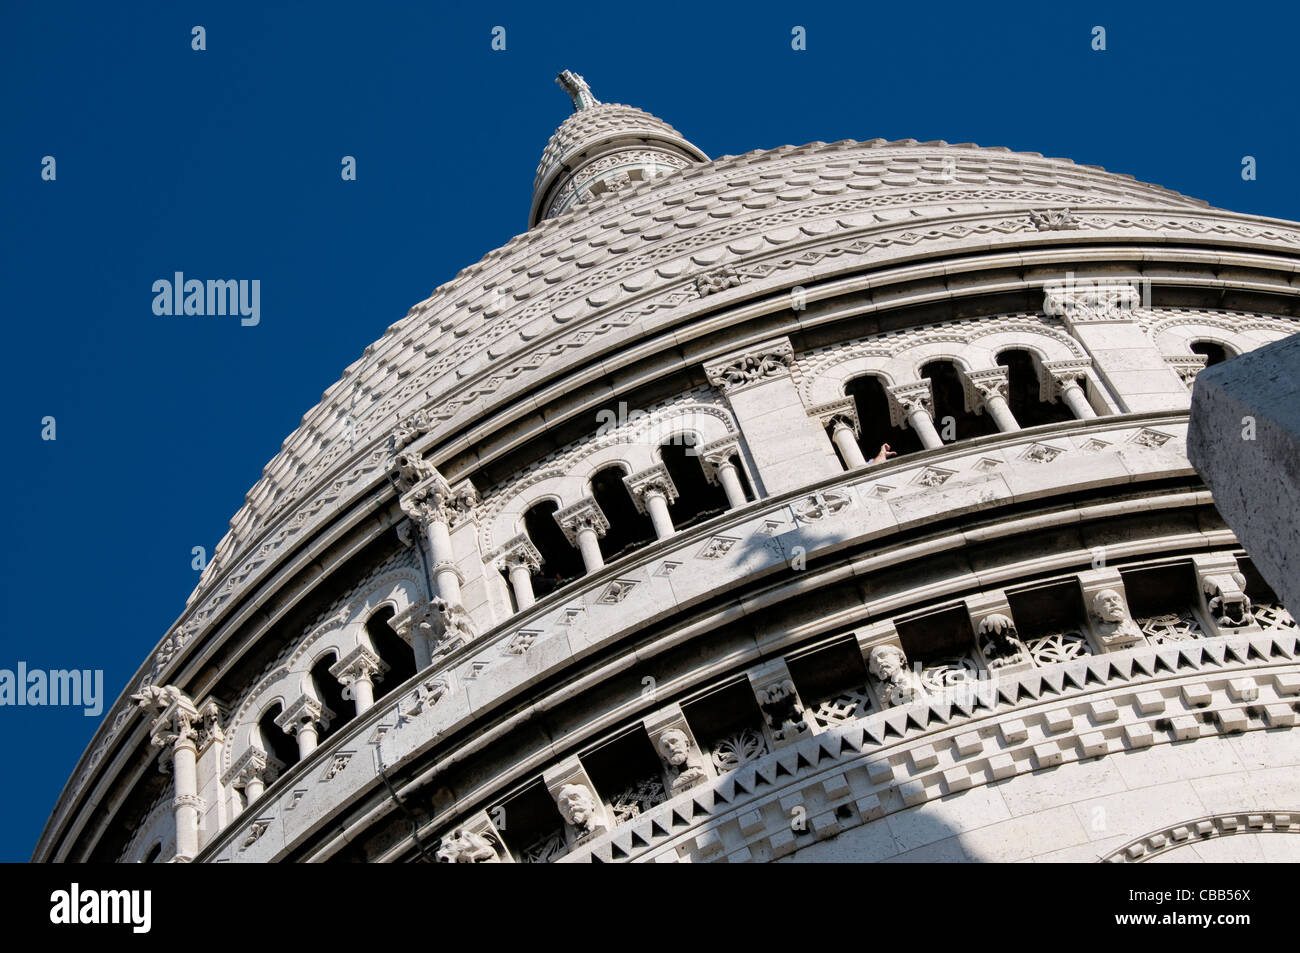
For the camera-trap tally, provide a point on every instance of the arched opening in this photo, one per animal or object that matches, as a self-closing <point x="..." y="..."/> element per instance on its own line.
<point x="390" y="647"/>
<point x="1024" y="392"/>
<point x="273" y="739"/>
<point x="154" y="853"/>
<point x="950" y="416"/>
<point x="628" y="529"/>
<point x="1214" y="353"/>
<point x="561" y="562"/>
<point x="872" y="404"/>
<point x="330" y="693"/>
<point x="697" y="498"/>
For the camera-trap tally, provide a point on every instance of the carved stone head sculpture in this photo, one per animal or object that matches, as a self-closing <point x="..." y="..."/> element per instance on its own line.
<point x="578" y="807"/>
<point x="1114" y="622"/>
<point x="902" y="686"/>
<point x="676" y="751"/>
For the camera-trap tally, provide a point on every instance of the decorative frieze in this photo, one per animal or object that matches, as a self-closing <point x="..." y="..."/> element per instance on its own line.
<point x="753" y="365"/>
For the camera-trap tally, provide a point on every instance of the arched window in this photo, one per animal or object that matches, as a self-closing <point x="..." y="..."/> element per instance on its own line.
<point x="628" y="529"/>
<point x="872" y="404"/>
<point x="154" y="853"/>
<point x="697" y="498"/>
<point x="561" y="562"/>
<point x="950" y="402"/>
<point x="390" y="647"/>
<point x="274" y="741"/>
<point x="1214" y="353"/>
<point x="1024" y="392"/>
<point x="330" y="693"/>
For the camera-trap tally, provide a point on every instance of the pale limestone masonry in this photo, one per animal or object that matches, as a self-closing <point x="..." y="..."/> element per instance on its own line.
<point x="1245" y="442"/>
<point x="827" y="502"/>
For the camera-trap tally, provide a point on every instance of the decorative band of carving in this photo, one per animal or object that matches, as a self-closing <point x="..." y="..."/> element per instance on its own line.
<point x="753" y="365"/>
<point x="1201" y="829"/>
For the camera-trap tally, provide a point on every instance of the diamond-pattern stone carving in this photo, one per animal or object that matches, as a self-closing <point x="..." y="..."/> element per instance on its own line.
<point x="717" y="547"/>
<point x="1041" y="453"/>
<point x="932" y="476"/>
<point x="1172" y="627"/>
<point x="1147" y="437"/>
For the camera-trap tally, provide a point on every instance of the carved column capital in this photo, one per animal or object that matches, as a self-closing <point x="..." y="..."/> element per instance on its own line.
<point x="1187" y="365"/>
<point x="980" y="386"/>
<point x="585" y="514"/>
<point x="519" y="551"/>
<point x="302" y="713"/>
<point x="906" y="399"/>
<point x="253" y="765"/>
<point x="1059" y="375"/>
<point x="844" y="410"/>
<point x="752" y="365"/>
<point x="176" y="717"/>
<point x="433" y="500"/>
<point x="445" y="625"/>
<point x="361" y="662"/>
<point x="653" y="479"/>
<point x="717" y="453"/>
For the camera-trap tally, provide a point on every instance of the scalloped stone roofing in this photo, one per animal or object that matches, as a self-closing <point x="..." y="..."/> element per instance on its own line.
<point x="583" y="259"/>
<point x="594" y="124"/>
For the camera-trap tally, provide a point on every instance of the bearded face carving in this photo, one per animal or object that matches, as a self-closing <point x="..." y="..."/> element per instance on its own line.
<point x="1114" y="624"/>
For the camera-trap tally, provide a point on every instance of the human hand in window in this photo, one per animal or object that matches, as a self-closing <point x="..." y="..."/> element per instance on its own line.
<point x="884" y="454"/>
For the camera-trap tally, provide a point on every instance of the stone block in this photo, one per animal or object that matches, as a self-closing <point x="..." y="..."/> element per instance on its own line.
<point x="1244" y="440"/>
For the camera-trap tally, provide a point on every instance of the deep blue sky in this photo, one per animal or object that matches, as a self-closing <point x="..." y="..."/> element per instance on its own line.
<point x="225" y="163"/>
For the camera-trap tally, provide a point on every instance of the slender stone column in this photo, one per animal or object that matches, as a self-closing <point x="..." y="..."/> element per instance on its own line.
<point x="913" y="404"/>
<point x="719" y="468"/>
<point x="584" y="524"/>
<point x="301" y="720"/>
<point x="986" y="390"/>
<point x="652" y="490"/>
<point x="252" y="772"/>
<point x="173" y="730"/>
<point x="520" y="559"/>
<point x="356" y="671"/>
<point x="434" y="507"/>
<point x="840" y="417"/>
<point x="844" y="438"/>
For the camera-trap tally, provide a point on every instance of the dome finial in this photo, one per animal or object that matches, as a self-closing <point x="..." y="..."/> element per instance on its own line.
<point x="578" y="90"/>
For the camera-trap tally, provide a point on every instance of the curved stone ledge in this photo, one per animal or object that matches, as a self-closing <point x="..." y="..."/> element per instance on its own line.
<point x="575" y="622"/>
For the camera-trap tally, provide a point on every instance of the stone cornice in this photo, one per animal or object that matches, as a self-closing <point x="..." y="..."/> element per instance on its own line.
<point x="534" y="619"/>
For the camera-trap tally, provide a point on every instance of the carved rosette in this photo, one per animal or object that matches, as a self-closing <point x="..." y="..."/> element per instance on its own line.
<point x="585" y="514"/>
<point x="653" y="479"/>
<point x="1050" y="221"/>
<point x="767" y="361"/>
<point x="718" y="280"/>
<point x="907" y="399"/>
